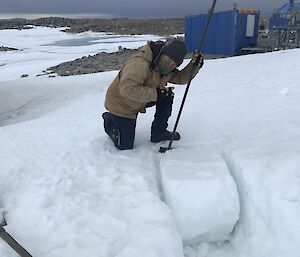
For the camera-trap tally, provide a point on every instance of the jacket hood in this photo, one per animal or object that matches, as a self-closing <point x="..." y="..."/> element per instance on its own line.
<point x="151" y="51"/>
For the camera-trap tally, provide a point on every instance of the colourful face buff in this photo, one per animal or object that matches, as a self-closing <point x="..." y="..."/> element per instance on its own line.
<point x="165" y="64"/>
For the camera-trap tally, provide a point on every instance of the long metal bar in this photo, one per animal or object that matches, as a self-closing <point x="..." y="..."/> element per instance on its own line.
<point x="163" y="149"/>
<point x="13" y="243"/>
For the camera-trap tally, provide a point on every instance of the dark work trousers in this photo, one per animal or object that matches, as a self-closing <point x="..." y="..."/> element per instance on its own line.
<point x="161" y="117"/>
<point x="122" y="130"/>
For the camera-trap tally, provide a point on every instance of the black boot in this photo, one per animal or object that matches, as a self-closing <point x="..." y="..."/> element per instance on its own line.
<point x="165" y="136"/>
<point x="109" y="127"/>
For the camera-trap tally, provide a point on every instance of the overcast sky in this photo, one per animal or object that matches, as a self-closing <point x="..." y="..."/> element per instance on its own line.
<point x="134" y="8"/>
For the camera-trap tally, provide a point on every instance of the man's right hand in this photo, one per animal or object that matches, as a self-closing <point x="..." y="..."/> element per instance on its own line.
<point x="166" y="91"/>
<point x="162" y="93"/>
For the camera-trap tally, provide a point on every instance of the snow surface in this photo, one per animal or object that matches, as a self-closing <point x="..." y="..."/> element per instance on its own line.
<point x="68" y="192"/>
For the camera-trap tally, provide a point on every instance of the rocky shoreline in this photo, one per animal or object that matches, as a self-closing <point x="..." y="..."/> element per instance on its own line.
<point x="93" y="63"/>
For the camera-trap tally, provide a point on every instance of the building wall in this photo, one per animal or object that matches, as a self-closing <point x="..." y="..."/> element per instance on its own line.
<point x="226" y="35"/>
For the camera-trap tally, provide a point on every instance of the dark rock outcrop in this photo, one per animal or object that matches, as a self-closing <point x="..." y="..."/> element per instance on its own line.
<point x="4" y="49"/>
<point x="92" y="64"/>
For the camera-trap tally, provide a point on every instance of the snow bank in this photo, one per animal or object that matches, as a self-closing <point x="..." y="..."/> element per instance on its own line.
<point x="202" y="196"/>
<point x="269" y="185"/>
<point x="68" y="192"/>
<point x="25" y="99"/>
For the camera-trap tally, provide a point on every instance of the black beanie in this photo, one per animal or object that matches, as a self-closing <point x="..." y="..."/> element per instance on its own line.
<point x="176" y="50"/>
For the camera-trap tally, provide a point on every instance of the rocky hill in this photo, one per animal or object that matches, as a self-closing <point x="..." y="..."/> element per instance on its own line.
<point x="121" y="26"/>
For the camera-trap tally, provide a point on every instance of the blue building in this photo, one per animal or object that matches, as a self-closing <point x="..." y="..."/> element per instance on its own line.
<point x="228" y="33"/>
<point x="287" y="15"/>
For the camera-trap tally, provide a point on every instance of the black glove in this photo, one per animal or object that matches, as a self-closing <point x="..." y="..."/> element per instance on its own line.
<point x="197" y="59"/>
<point x="163" y="93"/>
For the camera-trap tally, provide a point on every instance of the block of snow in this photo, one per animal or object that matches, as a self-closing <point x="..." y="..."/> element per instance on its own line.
<point x="203" y="197"/>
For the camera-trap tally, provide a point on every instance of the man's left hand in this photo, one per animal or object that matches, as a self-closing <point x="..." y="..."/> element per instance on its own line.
<point x="197" y="59"/>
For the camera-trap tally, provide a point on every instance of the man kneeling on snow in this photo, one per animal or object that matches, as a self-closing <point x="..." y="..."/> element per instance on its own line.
<point x="141" y="83"/>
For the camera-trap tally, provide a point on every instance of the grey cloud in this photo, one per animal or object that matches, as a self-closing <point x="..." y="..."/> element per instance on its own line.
<point x="133" y="8"/>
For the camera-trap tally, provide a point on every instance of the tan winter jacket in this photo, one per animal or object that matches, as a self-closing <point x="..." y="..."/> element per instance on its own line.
<point x="136" y="84"/>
